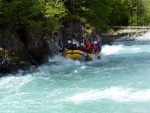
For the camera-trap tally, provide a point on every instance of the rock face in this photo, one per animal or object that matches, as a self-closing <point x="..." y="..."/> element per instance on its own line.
<point x="72" y="29"/>
<point x="21" y="50"/>
<point x="75" y="29"/>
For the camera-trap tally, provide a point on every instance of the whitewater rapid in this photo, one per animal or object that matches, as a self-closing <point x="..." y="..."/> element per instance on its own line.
<point x="118" y="83"/>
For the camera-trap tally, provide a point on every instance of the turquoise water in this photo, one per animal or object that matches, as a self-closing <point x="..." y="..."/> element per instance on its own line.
<point x="118" y="83"/>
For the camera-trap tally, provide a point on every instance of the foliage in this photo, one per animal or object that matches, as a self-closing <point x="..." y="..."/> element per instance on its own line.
<point x="146" y="15"/>
<point x="31" y="13"/>
<point x="54" y="12"/>
<point x="95" y="12"/>
<point x="120" y="12"/>
<point x="130" y="12"/>
<point x="51" y="13"/>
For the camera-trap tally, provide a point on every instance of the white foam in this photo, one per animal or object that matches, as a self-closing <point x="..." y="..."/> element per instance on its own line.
<point x="56" y="58"/>
<point x="63" y="60"/>
<point x="114" y="93"/>
<point x="122" y="49"/>
<point x="107" y="50"/>
<point x="75" y="71"/>
<point x="83" y="67"/>
<point x="14" y="83"/>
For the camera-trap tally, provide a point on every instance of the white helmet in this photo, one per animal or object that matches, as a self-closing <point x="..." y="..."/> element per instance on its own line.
<point x="69" y="41"/>
<point x="82" y="44"/>
<point x="95" y="42"/>
<point x="74" y="42"/>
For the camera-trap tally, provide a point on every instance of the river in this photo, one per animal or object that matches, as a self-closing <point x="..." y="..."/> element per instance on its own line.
<point x="118" y="83"/>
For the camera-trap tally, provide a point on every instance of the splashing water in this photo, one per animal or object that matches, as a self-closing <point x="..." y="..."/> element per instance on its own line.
<point x="118" y="83"/>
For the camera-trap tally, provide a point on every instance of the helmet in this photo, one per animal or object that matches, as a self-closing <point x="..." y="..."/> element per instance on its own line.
<point x="69" y="41"/>
<point x="74" y="42"/>
<point x="82" y="44"/>
<point x="95" y="42"/>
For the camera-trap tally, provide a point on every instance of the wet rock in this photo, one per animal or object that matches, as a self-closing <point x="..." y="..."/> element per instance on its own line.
<point x="22" y="50"/>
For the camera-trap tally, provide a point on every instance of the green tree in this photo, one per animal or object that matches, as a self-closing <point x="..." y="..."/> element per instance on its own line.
<point x="120" y="14"/>
<point x="137" y="12"/>
<point x="146" y="14"/>
<point x="54" y="12"/>
<point x="51" y="13"/>
<point x="41" y="13"/>
<point x="94" y="12"/>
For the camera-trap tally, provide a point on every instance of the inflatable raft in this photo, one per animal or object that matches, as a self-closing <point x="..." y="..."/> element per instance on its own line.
<point x="81" y="55"/>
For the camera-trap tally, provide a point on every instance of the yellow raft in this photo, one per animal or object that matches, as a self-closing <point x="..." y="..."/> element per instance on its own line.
<point x="81" y="55"/>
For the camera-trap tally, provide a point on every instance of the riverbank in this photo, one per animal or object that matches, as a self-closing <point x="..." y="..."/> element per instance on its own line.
<point x="126" y="35"/>
<point x="139" y="36"/>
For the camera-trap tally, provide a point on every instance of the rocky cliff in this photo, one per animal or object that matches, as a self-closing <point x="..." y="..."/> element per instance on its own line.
<point x="22" y="49"/>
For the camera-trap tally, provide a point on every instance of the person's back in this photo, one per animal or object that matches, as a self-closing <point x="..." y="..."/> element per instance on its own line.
<point x="87" y="42"/>
<point x="82" y="47"/>
<point x="100" y="47"/>
<point x="69" y="45"/>
<point x="89" y="48"/>
<point x="97" y="47"/>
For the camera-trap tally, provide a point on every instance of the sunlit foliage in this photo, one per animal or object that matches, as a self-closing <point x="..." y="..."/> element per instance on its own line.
<point x="51" y="13"/>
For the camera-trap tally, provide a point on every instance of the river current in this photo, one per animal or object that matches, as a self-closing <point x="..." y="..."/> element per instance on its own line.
<point x="118" y="83"/>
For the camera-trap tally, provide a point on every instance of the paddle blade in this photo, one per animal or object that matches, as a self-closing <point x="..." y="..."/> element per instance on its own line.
<point x="83" y="56"/>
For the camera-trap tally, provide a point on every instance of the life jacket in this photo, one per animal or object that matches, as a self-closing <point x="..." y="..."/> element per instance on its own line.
<point x="89" y="48"/>
<point x="98" y="48"/>
<point x="69" y="46"/>
<point x="87" y="42"/>
<point x="82" y="48"/>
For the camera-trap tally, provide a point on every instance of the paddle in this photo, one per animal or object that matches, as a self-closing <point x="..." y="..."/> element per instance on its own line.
<point x="83" y="56"/>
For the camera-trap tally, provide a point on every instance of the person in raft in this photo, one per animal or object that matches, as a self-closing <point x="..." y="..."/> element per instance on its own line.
<point x="89" y="46"/>
<point x="82" y="47"/>
<point x="69" y="45"/>
<point x="97" y="47"/>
